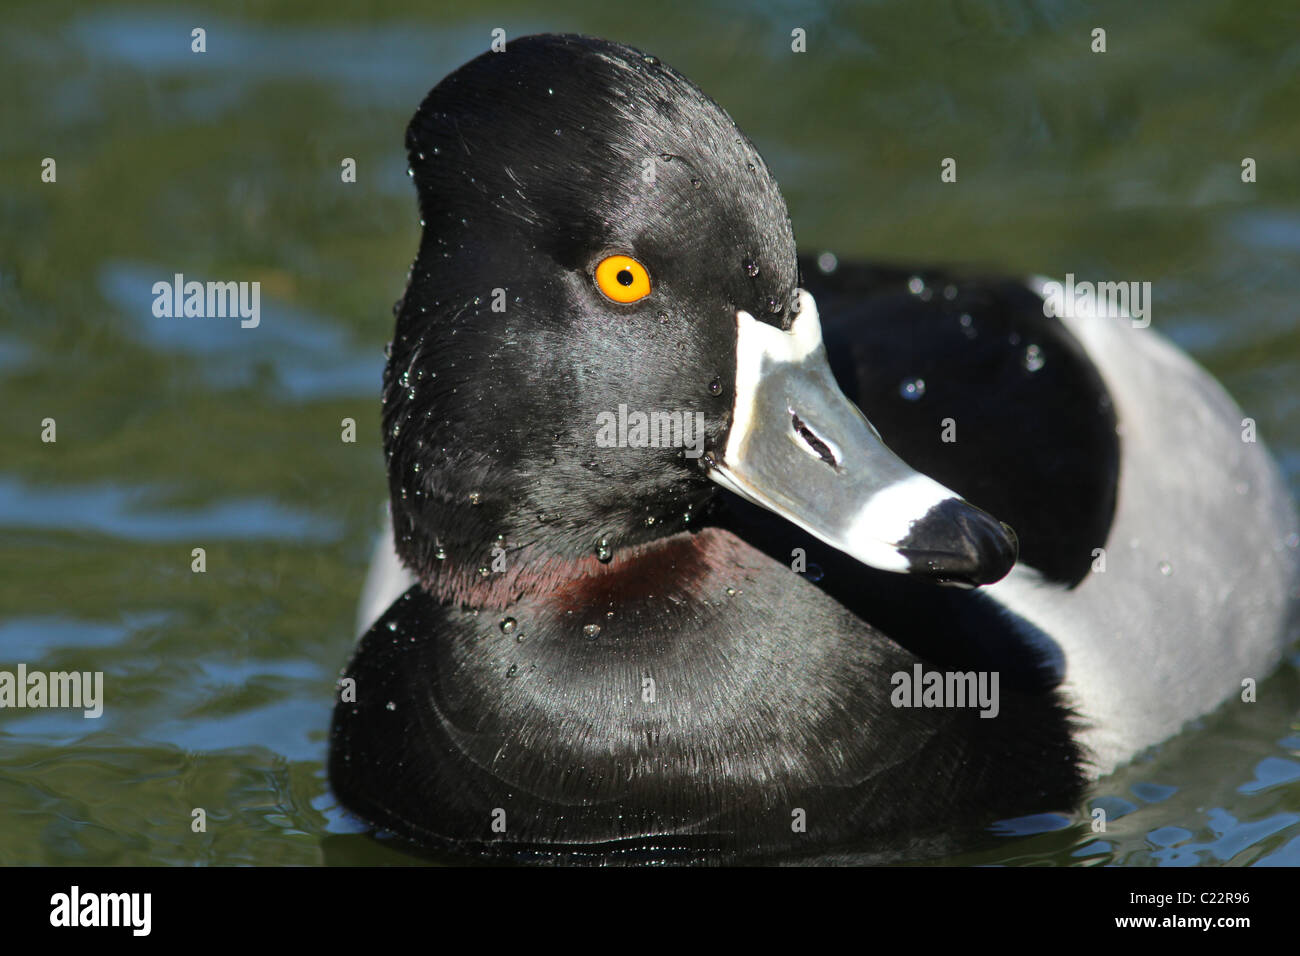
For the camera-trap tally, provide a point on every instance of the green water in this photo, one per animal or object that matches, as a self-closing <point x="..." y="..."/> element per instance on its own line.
<point x="176" y="434"/>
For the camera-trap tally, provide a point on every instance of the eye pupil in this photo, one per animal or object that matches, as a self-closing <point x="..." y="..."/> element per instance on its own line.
<point x="622" y="279"/>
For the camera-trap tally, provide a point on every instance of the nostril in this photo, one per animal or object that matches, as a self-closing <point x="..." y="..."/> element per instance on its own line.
<point x="817" y="446"/>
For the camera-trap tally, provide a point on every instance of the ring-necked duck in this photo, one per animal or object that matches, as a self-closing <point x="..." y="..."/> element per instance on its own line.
<point x="607" y="659"/>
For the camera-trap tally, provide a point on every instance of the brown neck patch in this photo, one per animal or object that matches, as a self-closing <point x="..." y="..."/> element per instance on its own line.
<point x="682" y="565"/>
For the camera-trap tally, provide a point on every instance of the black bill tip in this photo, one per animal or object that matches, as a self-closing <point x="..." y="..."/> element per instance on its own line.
<point x="957" y="543"/>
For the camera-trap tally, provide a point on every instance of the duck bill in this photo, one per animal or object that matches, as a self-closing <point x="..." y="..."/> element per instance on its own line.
<point x="798" y="447"/>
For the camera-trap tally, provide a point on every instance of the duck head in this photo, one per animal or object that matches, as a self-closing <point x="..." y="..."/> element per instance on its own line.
<point x="604" y="324"/>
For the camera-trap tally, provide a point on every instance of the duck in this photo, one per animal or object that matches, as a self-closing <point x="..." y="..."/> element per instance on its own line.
<point x="701" y="551"/>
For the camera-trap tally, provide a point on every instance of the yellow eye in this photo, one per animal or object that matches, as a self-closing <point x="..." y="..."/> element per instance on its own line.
<point x="622" y="278"/>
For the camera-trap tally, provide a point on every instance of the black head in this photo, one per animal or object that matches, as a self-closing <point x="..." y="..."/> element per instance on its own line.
<point x="603" y="316"/>
<point x="533" y="165"/>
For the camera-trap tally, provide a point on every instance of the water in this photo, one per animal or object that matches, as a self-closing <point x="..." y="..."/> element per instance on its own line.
<point x="178" y="434"/>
